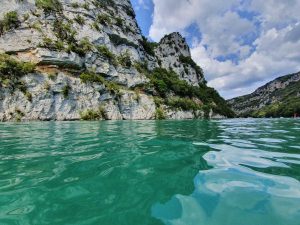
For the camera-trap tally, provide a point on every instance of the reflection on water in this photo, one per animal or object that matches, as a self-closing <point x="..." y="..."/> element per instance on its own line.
<point x="235" y="172"/>
<point x="234" y="192"/>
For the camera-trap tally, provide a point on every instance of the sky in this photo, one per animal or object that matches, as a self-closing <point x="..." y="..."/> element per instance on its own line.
<point x="240" y="44"/>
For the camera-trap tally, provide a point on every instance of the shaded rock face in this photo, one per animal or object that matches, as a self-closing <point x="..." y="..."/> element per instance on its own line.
<point x="273" y="92"/>
<point x="69" y="39"/>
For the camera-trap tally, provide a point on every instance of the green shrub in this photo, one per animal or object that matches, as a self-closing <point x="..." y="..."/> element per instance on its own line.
<point x="59" y="45"/>
<point x="148" y="46"/>
<point x="91" y="114"/>
<point x="112" y="87"/>
<point x="103" y="4"/>
<point x="160" y="114"/>
<point x="79" y="19"/>
<point x="64" y="31"/>
<point x="49" y="5"/>
<point x="103" y="50"/>
<point x="66" y="90"/>
<point x="9" y="21"/>
<point x="36" y="25"/>
<point x="117" y="40"/>
<point x="206" y="109"/>
<point x="85" y="45"/>
<point x="285" y="108"/>
<point x="125" y="60"/>
<point x="11" y="69"/>
<point x="75" y="5"/>
<point x="95" y="26"/>
<point x="51" y="44"/>
<point x="28" y="95"/>
<point x="90" y="77"/>
<point x="47" y="86"/>
<point x="129" y="11"/>
<point x="47" y="43"/>
<point x="81" y="48"/>
<point x="86" y="6"/>
<point x="158" y="101"/>
<point x="185" y="104"/>
<point x="18" y="115"/>
<point x="142" y="67"/>
<point x="103" y="19"/>
<point x="167" y="82"/>
<point x="119" y="22"/>
<point x="188" y="60"/>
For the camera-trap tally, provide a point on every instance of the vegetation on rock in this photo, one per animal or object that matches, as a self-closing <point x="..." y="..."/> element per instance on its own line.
<point x="11" y="70"/>
<point x="148" y="46"/>
<point x="167" y="83"/>
<point x="278" y="98"/>
<point x="117" y="40"/>
<point x="91" y="114"/>
<point x="91" y="77"/>
<point x="189" y="61"/>
<point x="49" y="5"/>
<point x="9" y="21"/>
<point x="288" y="108"/>
<point x="128" y="60"/>
<point x="160" y="114"/>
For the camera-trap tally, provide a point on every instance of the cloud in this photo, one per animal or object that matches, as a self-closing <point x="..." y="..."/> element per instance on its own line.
<point x="243" y="43"/>
<point x="142" y="4"/>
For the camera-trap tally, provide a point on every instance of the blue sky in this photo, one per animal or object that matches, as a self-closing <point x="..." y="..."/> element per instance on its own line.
<point x="240" y="44"/>
<point x="144" y="10"/>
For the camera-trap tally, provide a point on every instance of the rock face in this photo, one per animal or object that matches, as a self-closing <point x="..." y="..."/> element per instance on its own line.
<point x="174" y="53"/>
<point x="279" y="91"/>
<point x="68" y="38"/>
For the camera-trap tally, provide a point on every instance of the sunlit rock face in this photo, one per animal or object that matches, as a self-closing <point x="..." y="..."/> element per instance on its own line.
<point x="170" y="52"/>
<point x="69" y="38"/>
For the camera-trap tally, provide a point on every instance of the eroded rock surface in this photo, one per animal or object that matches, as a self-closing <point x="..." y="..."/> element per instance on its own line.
<point x="102" y="37"/>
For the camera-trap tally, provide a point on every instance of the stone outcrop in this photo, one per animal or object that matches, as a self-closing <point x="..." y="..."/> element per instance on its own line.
<point x="73" y="37"/>
<point x="171" y="53"/>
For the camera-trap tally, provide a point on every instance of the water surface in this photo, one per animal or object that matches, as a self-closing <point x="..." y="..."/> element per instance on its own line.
<point x="229" y="172"/>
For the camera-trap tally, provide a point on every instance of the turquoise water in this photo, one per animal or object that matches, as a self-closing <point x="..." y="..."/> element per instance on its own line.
<point x="230" y="172"/>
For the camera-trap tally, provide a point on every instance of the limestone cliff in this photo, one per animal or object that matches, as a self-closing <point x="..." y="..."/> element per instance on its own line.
<point x="92" y="62"/>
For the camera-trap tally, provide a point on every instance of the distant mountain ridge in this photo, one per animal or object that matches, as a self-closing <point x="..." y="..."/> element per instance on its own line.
<point x="280" y="97"/>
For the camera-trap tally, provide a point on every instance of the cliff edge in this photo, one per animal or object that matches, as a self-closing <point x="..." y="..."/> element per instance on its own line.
<point x="87" y="59"/>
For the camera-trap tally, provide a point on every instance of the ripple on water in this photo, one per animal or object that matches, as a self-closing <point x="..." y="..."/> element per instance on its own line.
<point x="227" y="172"/>
<point x="233" y="193"/>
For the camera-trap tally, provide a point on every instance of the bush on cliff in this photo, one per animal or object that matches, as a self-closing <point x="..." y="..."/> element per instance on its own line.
<point x="189" y="61"/>
<point x="167" y="83"/>
<point x="12" y="69"/>
<point x="148" y="46"/>
<point x="91" y="77"/>
<point x="9" y="21"/>
<point x="91" y="114"/>
<point x="287" y="108"/>
<point x="49" y="5"/>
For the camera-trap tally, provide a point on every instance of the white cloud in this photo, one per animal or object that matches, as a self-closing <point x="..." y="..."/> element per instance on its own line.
<point x="275" y="26"/>
<point x="142" y="4"/>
